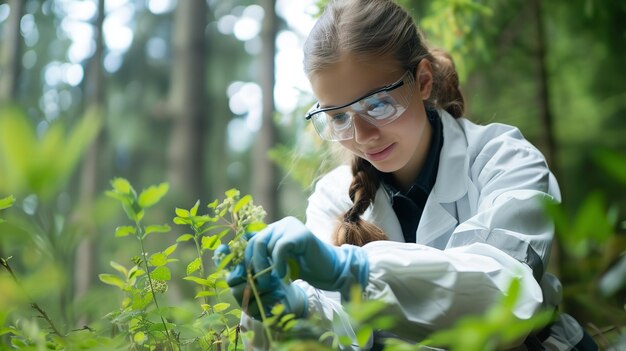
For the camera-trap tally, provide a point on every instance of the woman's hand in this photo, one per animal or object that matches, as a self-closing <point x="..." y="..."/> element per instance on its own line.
<point x="271" y="292"/>
<point x="322" y="265"/>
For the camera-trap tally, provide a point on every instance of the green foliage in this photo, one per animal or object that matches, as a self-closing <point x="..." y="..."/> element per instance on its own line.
<point x="140" y="322"/>
<point x="592" y="227"/>
<point x="595" y="272"/>
<point x="497" y="328"/>
<point x="452" y="25"/>
<point x="40" y="164"/>
<point x="6" y="203"/>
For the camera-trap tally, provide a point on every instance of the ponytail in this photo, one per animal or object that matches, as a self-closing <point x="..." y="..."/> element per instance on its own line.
<point x="446" y="93"/>
<point x="352" y="228"/>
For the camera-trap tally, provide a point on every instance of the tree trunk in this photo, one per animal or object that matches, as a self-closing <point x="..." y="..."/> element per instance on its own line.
<point x="11" y="52"/>
<point x="264" y="184"/>
<point x="186" y="102"/>
<point x="543" y="93"/>
<point x="543" y="99"/>
<point x="94" y="94"/>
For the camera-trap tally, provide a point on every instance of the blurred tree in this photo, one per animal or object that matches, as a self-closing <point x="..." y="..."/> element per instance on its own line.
<point x="543" y="93"/>
<point x="186" y="104"/>
<point x="11" y="52"/>
<point x="95" y="87"/>
<point x="265" y="179"/>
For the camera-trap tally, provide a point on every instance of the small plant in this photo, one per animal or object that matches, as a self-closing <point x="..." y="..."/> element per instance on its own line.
<point x="230" y="222"/>
<point x="233" y="217"/>
<point x="133" y="316"/>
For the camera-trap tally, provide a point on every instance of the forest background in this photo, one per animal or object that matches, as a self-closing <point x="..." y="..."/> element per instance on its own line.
<point x="209" y="95"/>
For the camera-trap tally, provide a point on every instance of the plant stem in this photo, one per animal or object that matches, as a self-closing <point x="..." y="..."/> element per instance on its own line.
<point x="33" y="304"/>
<point x="259" y="303"/>
<point x="199" y="251"/>
<point x="145" y="261"/>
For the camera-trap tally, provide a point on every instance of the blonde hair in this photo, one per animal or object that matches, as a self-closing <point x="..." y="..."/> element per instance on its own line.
<point x="376" y="28"/>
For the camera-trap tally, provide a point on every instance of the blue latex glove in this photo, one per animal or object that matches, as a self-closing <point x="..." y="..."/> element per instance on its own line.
<point x="273" y="291"/>
<point x="322" y="265"/>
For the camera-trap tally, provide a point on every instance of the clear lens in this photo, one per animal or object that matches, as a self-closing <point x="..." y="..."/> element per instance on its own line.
<point x="378" y="109"/>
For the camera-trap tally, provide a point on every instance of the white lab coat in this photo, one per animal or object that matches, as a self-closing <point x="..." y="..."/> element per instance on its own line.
<point x="483" y="225"/>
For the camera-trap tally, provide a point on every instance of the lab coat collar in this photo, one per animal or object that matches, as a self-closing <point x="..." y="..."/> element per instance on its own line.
<point x="438" y="217"/>
<point x="451" y="184"/>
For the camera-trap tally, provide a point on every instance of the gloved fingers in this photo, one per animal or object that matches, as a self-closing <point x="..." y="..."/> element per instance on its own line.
<point x="237" y="275"/>
<point x="268" y="299"/>
<point x="260" y="260"/>
<point x="280" y="249"/>
<point x="248" y="235"/>
<point x="220" y="253"/>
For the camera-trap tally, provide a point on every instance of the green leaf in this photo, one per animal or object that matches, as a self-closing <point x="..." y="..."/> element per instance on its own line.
<point x="232" y="193"/>
<point x="213" y="204"/>
<point x="184" y="237"/>
<point x="345" y="340"/>
<point x="161" y="273"/>
<point x="139" y="338"/>
<point x="170" y="249"/>
<point x="199" y="281"/>
<point x="278" y="309"/>
<point x="224" y="262"/>
<point x="155" y="228"/>
<point x="118" y="267"/>
<point x="135" y="272"/>
<point x="152" y="195"/>
<point x="194" y="266"/>
<point x="210" y="242"/>
<point x="221" y="284"/>
<point x="199" y="221"/>
<point x="181" y="221"/>
<point x="194" y="209"/>
<point x="219" y="307"/>
<point x="286" y="318"/>
<point x="181" y="212"/>
<point x="363" y="335"/>
<point x="255" y="227"/>
<point x="294" y="269"/>
<point x="241" y="203"/>
<point x="124" y="231"/>
<point x="112" y="280"/>
<point x="119" y="197"/>
<point x="158" y="259"/>
<point x="122" y="186"/>
<point x="131" y="211"/>
<point x="613" y="163"/>
<point x="204" y="293"/>
<point x="7" y="202"/>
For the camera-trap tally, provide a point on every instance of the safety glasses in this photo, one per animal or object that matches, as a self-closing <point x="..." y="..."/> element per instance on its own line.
<point x="378" y="108"/>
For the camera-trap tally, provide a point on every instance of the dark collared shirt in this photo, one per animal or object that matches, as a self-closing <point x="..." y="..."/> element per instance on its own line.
<point x="409" y="205"/>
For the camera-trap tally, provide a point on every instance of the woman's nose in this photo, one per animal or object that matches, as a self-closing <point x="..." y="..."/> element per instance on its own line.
<point x="364" y="131"/>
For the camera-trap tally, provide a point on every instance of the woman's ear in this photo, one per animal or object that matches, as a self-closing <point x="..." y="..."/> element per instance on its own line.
<point x="424" y="78"/>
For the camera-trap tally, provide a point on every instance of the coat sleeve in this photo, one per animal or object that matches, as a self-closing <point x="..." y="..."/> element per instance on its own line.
<point x="511" y="183"/>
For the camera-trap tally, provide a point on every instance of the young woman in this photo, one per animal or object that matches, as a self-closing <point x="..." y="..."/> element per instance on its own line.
<point x="435" y="216"/>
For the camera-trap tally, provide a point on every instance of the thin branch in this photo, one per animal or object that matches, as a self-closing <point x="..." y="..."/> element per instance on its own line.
<point x="156" y="304"/>
<point x="33" y="304"/>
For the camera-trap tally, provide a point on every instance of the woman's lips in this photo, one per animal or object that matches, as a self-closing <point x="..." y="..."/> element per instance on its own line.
<point x="379" y="155"/>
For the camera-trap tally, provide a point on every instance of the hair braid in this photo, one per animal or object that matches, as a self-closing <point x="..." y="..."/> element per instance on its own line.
<point x="353" y="229"/>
